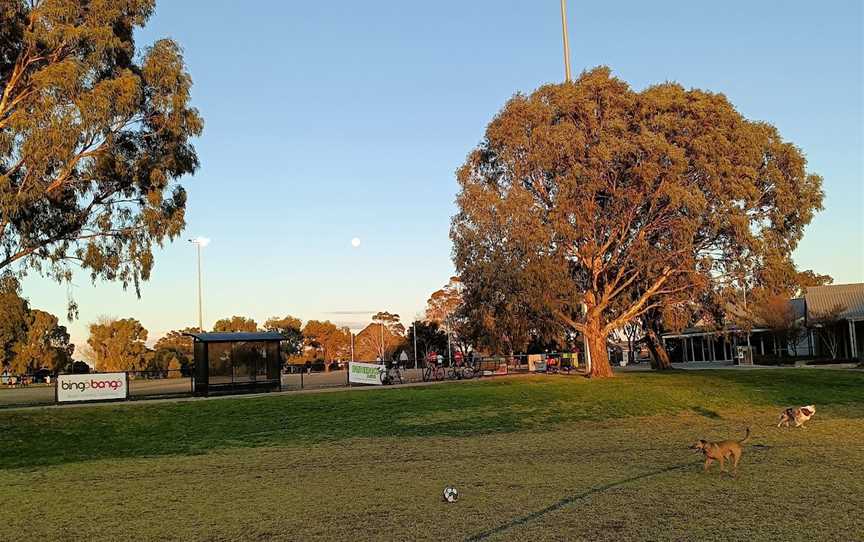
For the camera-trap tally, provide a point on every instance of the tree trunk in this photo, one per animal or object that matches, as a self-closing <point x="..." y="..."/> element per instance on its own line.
<point x="659" y="356"/>
<point x="595" y="341"/>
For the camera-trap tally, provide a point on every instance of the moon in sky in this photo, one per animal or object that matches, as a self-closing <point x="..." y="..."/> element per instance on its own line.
<point x="355" y="242"/>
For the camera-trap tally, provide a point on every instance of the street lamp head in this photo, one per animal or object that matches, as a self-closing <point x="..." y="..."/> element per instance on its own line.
<point x="200" y="241"/>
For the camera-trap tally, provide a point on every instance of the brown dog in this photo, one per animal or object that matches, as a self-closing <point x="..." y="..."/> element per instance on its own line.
<point x="721" y="451"/>
<point x="797" y="415"/>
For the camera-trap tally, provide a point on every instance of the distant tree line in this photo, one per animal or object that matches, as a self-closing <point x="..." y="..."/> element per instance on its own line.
<point x="32" y="340"/>
<point x="121" y="344"/>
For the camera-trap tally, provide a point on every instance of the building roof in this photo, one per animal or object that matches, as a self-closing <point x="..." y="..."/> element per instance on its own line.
<point x="846" y="299"/>
<point x="819" y="301"/>
<point x="237" y="337"/>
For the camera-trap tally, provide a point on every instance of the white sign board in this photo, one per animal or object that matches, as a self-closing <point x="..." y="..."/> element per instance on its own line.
<point x="95" y="387"/>
<point x="364" y="373"/>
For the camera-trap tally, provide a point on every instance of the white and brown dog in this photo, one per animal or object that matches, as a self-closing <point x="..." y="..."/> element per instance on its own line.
<point x="798" y="415"/>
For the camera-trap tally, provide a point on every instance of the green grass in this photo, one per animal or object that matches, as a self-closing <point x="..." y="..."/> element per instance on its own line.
<point x="536" y="458"/>
<point x="52" y="436"/>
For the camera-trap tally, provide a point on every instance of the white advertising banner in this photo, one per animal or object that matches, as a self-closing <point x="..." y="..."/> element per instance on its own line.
<point x="364" y="373"/>
<point x="95" y="387"/>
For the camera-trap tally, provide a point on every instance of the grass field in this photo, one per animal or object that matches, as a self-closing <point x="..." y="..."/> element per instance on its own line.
<point x="535" y="458"/>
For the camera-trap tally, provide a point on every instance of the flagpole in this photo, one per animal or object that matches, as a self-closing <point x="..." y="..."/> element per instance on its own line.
<point x="567" y="77"/>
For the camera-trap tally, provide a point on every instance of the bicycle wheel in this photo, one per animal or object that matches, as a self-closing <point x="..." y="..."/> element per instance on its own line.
<point x="427" y="374"/>
<point x="384" y="377"/>
<point x="439" y="373"/>
<point x="468" y="372"/>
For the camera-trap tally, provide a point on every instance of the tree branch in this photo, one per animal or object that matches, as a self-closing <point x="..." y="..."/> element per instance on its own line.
<point x="638" y="306"/>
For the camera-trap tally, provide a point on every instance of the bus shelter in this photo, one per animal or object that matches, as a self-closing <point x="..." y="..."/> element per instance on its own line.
<point x="228" y="363"/>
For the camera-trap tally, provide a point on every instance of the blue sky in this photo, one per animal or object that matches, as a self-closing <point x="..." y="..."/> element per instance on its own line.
<point x="330" y="120"/>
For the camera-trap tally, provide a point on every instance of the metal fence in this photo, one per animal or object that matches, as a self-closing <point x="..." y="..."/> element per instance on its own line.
<point x="25" y="390"/>
<point x="160" y="383"/>
<point x="36" y="390"/>
<point x="40" y="389"/>
<point x="301" y="378"/>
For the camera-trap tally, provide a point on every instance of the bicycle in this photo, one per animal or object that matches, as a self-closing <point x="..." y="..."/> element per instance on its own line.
<point x="432" y="372"/>
<point x="471" y="370"/>
<point x="390" y="375"/>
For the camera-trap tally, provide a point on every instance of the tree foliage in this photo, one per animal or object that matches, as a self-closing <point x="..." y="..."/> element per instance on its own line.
<point x="588" y="204"/>
<point x="375" y="342"/>
<point x="381" y="339"/>
<point x="443" y="305"/>
<point x="430" y="338"/>
<point x="291" y="329"/>
<point x="94" y="134"/>
<point x="496" y="316"/>
<point x="174" y="368"/>
<point x="324" y="340"/>
<point x="807" y="279"/>
<point x="446" y="307"/>
<point x="46" y="345"/>
<point x="235" y="324"/>
<point x="177" y="344"/>
<point x="14" y="311"/>
<point x="777" y="314"/>
<point x="118" y="345"/>
<point x="157" y="361"/>
<point x="30" y="339"/>
<point x="390" y="321"/>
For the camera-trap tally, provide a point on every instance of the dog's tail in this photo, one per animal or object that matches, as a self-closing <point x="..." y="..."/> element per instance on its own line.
<point x="746" y="437"/>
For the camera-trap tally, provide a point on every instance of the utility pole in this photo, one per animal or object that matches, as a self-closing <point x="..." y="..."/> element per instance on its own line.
<point x="415" y="345"/>
<point x="567" y="77"/>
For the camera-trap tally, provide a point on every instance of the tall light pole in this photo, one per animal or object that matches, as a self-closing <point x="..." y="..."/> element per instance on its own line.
<point x="449" y="351"/>
<point x="747" y="315"/>
<point x="415" y="344"/>
<point x="200" y="242"/>
<point x="567" y="77"/>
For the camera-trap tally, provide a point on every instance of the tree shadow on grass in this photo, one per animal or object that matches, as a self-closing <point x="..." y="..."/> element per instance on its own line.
<point x="789" y="387"/>
<point x="569" y="500"/>
<point x="708" y="413"/>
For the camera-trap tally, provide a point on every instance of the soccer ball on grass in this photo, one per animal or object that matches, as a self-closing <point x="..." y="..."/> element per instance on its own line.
<point x="450" y="494"/>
